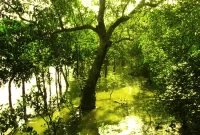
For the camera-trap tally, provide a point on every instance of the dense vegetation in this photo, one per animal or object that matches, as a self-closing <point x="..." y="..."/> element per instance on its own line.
<point x="102" y="46"/>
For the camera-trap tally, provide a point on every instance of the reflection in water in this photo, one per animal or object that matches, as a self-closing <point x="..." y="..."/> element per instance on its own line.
<point x="129" y="125"/>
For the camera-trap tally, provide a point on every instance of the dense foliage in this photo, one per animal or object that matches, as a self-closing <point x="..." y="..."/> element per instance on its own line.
<point x="171" y="47"/>
<point x="158" y="40"/>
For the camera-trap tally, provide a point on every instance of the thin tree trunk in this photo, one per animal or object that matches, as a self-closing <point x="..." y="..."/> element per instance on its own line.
<point x="38" y="83"/>
<point x="24" y="100"/>
<point x="65" y="75"/>
<point x="56" y="83"/>
<point x="44" y="92"/>
<point x="39" y="89"/>
<point x="88" y="100"/>
<point x="77" y="64"/>
<point x="10" y="100"/>
<point x="10" y="91"/>
<point x="59" y="83"/>
<point x="49" y="83"/>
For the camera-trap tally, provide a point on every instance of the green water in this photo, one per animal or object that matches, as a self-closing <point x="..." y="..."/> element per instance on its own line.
<point x="124" y="112"/>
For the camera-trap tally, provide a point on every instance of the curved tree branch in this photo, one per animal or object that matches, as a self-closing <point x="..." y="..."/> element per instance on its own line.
<point x="78" y="28"/>
<point x="117" y="23"/>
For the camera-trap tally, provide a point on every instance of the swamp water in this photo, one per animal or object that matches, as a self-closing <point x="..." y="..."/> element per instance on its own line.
<point x="119" y="113"/>
<point x="122" y="111"/>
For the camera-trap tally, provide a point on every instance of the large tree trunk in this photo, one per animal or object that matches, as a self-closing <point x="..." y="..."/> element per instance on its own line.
<point x="88" y="100"/>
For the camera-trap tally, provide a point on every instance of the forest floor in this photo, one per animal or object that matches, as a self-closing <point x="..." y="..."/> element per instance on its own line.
<point x="124" y="111"/>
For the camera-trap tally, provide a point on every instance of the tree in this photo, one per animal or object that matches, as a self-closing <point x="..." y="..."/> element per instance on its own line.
<point x="88" y="98"/>
<point x="67" y="16"/>
<point x="14" y="65"/>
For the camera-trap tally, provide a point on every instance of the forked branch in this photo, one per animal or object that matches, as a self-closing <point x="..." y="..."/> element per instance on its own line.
<point x="126" y="18"/>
